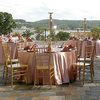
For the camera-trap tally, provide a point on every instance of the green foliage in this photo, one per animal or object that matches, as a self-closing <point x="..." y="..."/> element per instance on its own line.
<point x="52" y="36"/>
<point x="62" y="35"/>
<point x="39" y="30"/>
<point x="39" y="33"/>
<point x="95" y="32"/>
<point x="6" y="23"/>
<point x="40" y="37"/>
<point x="27" y="33"/>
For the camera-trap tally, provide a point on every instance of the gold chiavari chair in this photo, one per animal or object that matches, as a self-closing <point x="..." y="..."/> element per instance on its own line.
<point x="13" y="70"/>
<point x="88" y="59"/>
<point x="43" y="68"/>
<point x="13" y="60"/>
<point x="83" y="65"/>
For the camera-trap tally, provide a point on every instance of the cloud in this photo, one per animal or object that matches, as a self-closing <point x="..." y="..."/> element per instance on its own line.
<point x="32" y="10"/>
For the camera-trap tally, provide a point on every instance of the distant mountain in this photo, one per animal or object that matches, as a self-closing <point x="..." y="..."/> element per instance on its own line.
<point x="61" y="24"/>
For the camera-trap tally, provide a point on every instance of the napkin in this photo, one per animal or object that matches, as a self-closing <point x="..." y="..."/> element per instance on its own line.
<point x="10" y="39"/>
<point x="27" y="48"/>
<point x="65" y="49"/>
<point x="70" y="47"/>
<point x="33" y="48"/>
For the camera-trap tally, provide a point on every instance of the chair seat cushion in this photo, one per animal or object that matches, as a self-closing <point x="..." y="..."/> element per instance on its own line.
<point x="81" y="64"/>
<point x="17" y="65"/>
<point x="43" y="67"/>
<point x="14" y="60"/>
<point x="82" y="59"/>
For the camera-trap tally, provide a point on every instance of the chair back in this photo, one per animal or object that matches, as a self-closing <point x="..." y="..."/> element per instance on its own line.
<point x="43" y="68"/>
<point x="40" y="49"/>
<point x="42" y="60"/>
<point x="79" y="48"/>
<point x="89" y="53"/>
<point x="89" y="50"/>
<point x="13" y="50"/>
<point x="6" y="52"/>
<point x="21" y="45"/>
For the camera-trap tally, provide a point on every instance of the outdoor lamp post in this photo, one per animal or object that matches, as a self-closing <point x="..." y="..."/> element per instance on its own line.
<point x="84" y="26"/>
<point x="50" y="22"/>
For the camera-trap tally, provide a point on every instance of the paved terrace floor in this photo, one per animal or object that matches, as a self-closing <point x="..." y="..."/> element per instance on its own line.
<point x="72" y="91"/>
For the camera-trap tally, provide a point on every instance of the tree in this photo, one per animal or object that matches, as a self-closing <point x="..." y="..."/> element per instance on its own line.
<point x="39" y="33"/>
<point x="62" y="35"/>
<point x="27" y="33"/>
<point x="95" y="32"/>
<point x="40" y="37"/>
<point x="6" y="23"/>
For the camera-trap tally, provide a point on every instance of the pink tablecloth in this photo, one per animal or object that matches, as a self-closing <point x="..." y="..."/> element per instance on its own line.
<point x="98" y="48"/>
<point x="62" y="66"/>
<point x="60" y="60"/>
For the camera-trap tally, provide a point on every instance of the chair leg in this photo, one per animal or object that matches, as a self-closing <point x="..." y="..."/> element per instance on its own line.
<point x="35" y="78"/>
<point x="4" y="71"/>
<point x="93" y="69"/>
<point x="26" y="76"/>
<point x="91" y="72"/>
<point x="50" y="77"/>
<point x="50" y="82"/>
<point x="79" y="73"/>
<point x="26" y="79"/>
<point x="83" y="75"/>
<point x="11" y="77"/>
<point x="6" y="75"/>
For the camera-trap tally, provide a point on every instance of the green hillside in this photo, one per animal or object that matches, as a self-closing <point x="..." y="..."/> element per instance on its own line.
<point x="64" y="24"/>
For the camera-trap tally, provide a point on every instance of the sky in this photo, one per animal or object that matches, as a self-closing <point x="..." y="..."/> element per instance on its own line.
<point x="34" y="10"/>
